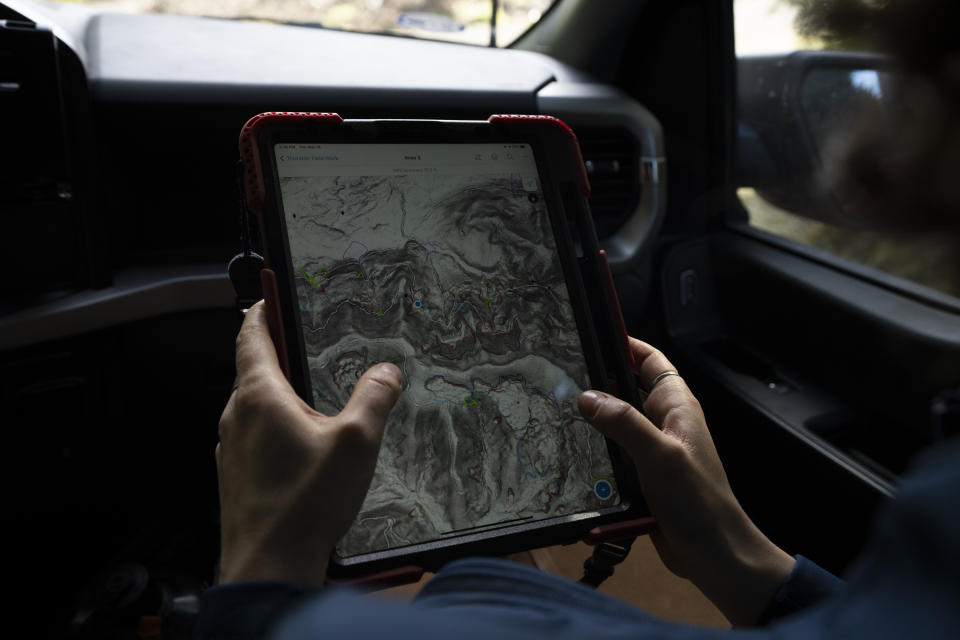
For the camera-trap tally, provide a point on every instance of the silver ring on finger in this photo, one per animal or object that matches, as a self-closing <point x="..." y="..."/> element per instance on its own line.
<point x="665" y="374"/>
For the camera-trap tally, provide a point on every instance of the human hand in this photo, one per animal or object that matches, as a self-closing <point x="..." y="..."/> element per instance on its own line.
<point x="291" y="479"/>
<point x="703" y="533"/>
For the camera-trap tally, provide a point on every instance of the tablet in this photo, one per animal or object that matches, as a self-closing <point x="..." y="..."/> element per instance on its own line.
<point x="447" y="249"/>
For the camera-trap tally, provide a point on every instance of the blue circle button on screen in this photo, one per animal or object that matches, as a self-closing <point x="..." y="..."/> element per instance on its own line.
<point x="603" y="489"/>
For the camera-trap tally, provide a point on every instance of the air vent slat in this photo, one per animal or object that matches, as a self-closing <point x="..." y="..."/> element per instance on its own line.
<point x="611" y="157"/>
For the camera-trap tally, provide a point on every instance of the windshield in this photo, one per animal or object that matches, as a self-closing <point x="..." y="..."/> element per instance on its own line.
<point x="479" y="22"/>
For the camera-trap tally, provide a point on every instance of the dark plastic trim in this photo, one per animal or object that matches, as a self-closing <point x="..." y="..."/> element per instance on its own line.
<point x="894" y="284"/>
<point x="746" y="392"/>
<point x="136" y="294"/>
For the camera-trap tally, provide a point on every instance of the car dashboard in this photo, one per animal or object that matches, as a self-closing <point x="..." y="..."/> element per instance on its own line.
<point x="161" y="99"/>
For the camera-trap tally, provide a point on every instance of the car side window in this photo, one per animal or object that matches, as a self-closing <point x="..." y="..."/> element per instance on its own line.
<point x="819" y="110"/>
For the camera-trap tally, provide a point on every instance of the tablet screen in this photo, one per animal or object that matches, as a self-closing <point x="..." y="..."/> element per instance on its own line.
<point x="441" y="259"/>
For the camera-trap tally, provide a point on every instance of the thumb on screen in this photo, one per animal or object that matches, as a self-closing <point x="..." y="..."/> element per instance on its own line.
<point x="371" y="401"/>
<point x="620" y="422"/>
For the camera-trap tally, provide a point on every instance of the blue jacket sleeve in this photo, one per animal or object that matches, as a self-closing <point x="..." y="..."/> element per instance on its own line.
<point x="904" y="585"/>
<point x="806" y="585"/>
<point x="245" y="610"/>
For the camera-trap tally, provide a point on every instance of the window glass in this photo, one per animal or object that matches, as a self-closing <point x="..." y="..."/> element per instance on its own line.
<point x="466" y="21"/>
<point x="836" y="101"/>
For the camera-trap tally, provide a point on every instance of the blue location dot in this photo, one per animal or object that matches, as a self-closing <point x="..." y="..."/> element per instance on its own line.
<point x="417" y="304"/>
<point x="603" y="489"/>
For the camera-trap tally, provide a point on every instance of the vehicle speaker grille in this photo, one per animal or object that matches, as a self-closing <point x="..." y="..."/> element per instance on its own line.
<point x="612" y="159"/>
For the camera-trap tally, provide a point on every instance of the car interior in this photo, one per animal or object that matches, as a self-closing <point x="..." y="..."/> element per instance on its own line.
<point x="118" y="320"/>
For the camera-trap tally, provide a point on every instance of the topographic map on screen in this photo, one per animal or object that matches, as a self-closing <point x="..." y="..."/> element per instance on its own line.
<point x="450" y="272"/>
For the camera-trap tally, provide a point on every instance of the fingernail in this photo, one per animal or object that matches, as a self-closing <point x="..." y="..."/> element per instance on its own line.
<point x="391" y="370"/>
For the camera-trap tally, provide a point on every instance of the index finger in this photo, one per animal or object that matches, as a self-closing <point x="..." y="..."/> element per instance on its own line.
<point x="650" y="362"/>
<point x="256" y="354"/>
<point x="669" y="393"/>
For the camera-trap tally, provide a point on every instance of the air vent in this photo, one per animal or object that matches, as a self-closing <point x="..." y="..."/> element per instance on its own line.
<point x="611" y="156"/>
